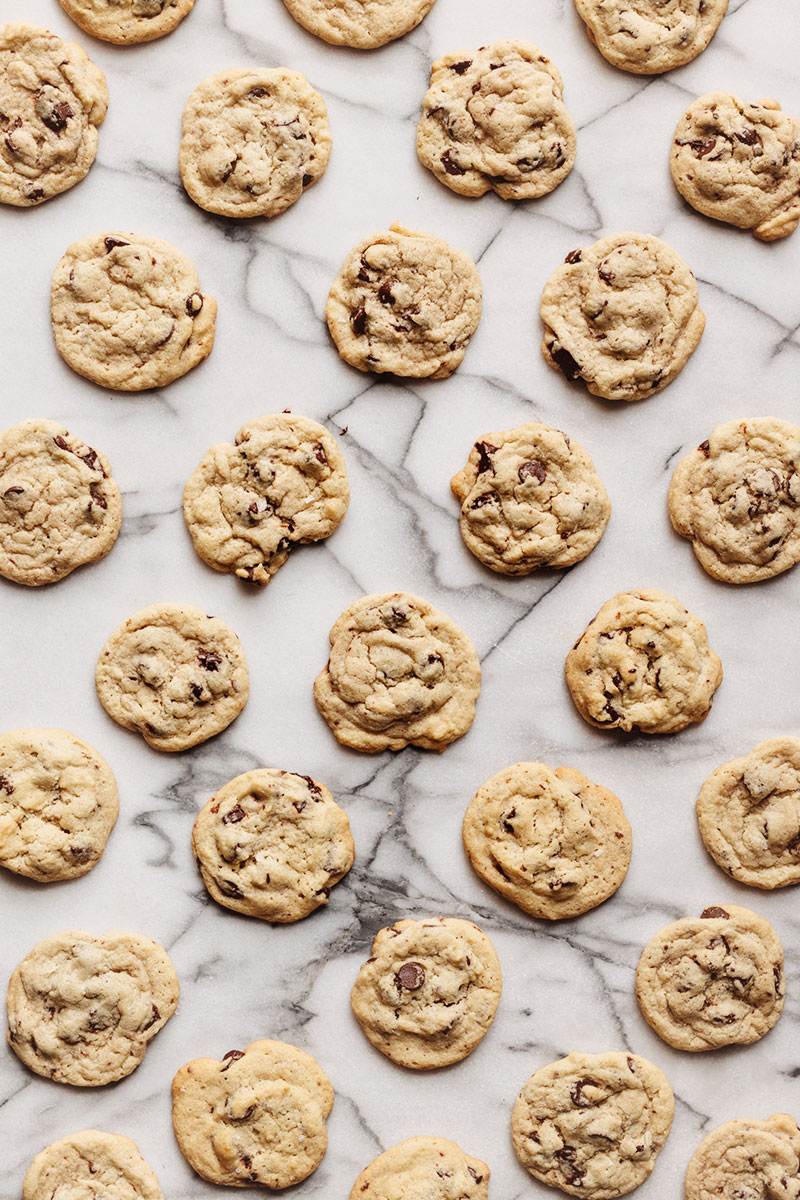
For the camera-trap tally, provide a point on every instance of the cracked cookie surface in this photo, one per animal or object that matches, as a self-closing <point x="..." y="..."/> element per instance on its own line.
<point x="648" y="37"/>
<point x="745" y="1158"/>
<point x="423" y="1168"/>
<point x="90" y="1165"/>
<point x="362" y="24"/>
<point x="125" y="22"/>
<point x="643" y="663"/>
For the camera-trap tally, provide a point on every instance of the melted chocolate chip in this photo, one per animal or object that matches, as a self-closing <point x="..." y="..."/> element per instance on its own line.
<point x="359" y="320"/>
<point x="714" y="911"/>
<point x="748" y="137"/>
<point x="298" y="805"/>
<point x="314" y="788"/>
<point x="461" y="67"/>
<point x="573" y="256"/>
<point x="706" y="449"/>
<point x="385" y="291"/>
<point x="703" y="148"/>
<point x="485" y="449"/>
<point x="478" y="1178"/>
<point x="210" y="660"/>
<point x="507" y="819"/>
<point x="306" y="180"/>
<point x="572" y="1172"/>
<point x="576" y="1093"/>
<point x="319" y="453"/>
<point x="533" y="469"/>
<point x="565" y="362"/>
<point x="606" y="275"/>
<point x="155" y="1016"/>
<point x="111" y="243"/>
<point x="450" y="165"/>
<point x="410" y="977"/>
<point x="194" y="303"/>
<point x="234" y="816"/>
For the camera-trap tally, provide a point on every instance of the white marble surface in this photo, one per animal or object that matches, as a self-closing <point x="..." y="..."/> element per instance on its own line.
<point x="567" y="986"/>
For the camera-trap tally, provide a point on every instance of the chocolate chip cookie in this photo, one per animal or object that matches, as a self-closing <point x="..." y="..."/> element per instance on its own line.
<point x="747" y="1158"/>
<point x="125" y="22"/>
<point x="89" y="1165"/>
<point x="648" y="37"/>
<point x="362" y="24"/>
<point x="430" y="1167"/>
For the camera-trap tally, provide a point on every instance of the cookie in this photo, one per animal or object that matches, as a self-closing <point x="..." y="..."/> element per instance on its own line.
<point x="648" y="37"/>
<point x="495" y="119"/>
<point x="530" y="498"/>
<point x="550" y="841"/>
<point x="737" y="499"/>
<point x="128" y="313"/>
<point x="362" y="24"/>
<point x="272" y="844"/>
<point x="258" y="1116"/>
<point x="83" y="1007"/>
<point x="126" y="22"/>
<point x="52" y="101"/>
<point x="405" y="302"/>
<point x="283" y="483"/>
<point x="253" y="141"/>
<point x="713" y="980"/>
<point x="59" y="506"/>
<point x="58" y="804"/>
<point x="643" y="663"/>
<point x="739" y="163"/>
<point x="747" y="1158"/>
<point x="174" y="675"/>
<point x="622" y="316"/>
<point x="429" y="1167"/>
<point x="428" y="992"/>
<point x="400" y="673"/>
<point x="593" y="1124"/>
<point x="90" y="1165"/>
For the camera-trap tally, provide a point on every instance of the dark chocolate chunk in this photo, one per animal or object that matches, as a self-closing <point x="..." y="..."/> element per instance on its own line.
<point x="748" y="137"/>
<point x="111" y="243"/>
<point x="576" y="1093"/>
<point x="533" y="469"/>
<point x="565" y="362"/>
<point x="461" y="67"/>
<point x="234" y="816"/>
<point x="385" y="291"/>
<point x="450" y="165"/>
<point x="485" y="449"/>
<point x="194" y="304"/>
<point x="706" y="449"/>
<point x="410" y="977"/>
<point x="573" y="256"/>
<point x="359" y="320"/>
<point x="209" y="660"/>
<point x="703" y="148"/>
<point x="714" y="911"/>
<point x="57" y="118"/>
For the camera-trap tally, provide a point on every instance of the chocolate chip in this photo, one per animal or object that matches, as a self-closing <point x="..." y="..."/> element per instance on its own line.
<point x="485" y="449"/>
<point x="258" y="92"/>
<point x="154" y="1017"/>
<point x="573" y="256"/>
<point x="111" y="243"/>
<point x="385" y="291"/>
<point x="307" y="179"/>
<point x="364" y="269"/>
<point x="13" y="491"/>
<point x="359" y="320"/>
<point x="194" y="304"/>
<point x="606" y="275"/>
<point x="507" y="819"/>
<point x="6" y="785"/>
<point x="706" y="449"/>
<point x="576" y="1093"/>
<point x="461" y="67"/>
<point x="481" y="501"/>
<point x="613" y="715"/>
<point x="258" y="506"/>
<point x="319" y="453"/>
<point x="57" y="118"/>
<point x="533" y="469"/>
<point x="748" y="137"/>
<point x="410" y="977"/>
<point x="701" y="149"/>
<point x="197" y="691"/>
<point x="234" y="816"/>
<point x="231" y="1057"/>
<point x="565" y="362"/>
<point x="314" y="788"/>
<point x="478" y="1178"/>
<point x="210" y="660"/>
<point x="229" y="889"/>
<point x="81" y="854"/>
<point x="36" y="194"/>
<point x="298" y="805"/>
<point x="450" y="165"/>
<point x="714" y="911"/>
<point x="96" y="496"/>
<point x="573" y="1173"/>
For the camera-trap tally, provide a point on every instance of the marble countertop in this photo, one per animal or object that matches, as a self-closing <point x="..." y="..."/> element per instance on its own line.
<point x="568" y="985"/>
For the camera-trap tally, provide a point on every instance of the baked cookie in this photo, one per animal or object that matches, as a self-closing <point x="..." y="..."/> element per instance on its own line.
<point x="362" y="24"/>
<point x="258" y="1116"/>
<point x="593" y="1124"/>
<point x="530" y="498"/>
<point x="174" y="675"/>
<point x="429" y="1167"/>
<point x="621" y="316"/>
<point x="405" y="302"/>
<point x="125" y="22"/>
<point x="643" y="663"/>
<point x="52" y="100"/>
<point x="400" y="673"/>
<point x="283" y="483"/>
<point x="128" y="312"/>
<point x="739" y="163"/>
<point x="58" y="804"/>
<point x="713" y="980"/>
<point x="428" y="992"/>
<point x="495" y="118"/>
<point x="90" y="1165"/>
<point x="253" y="140"/>
<point x="747" y="1158"/>
<point x="59" y="506"/>
<point x="737" y="498"/>
<point x="552" y="842"/>
<point x="648" y="37"/>
<point x="83" y="1007"/>
<point x="272" y="844"/>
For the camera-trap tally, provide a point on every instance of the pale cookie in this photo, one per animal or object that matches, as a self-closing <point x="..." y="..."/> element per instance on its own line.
<point x="362" y="24"/>
<point x="58" y="804"/>
<point x="622" y="316"/>
<point x="126" y="22"/>
<point x="91" y="1165"/>
<point x="83" y="1007"/>
<point x="422" y="1168"/>
<point x="593" y="1124"/>
<point x="59" y="506"/>
<point x="174" y="675"/>
<point x="713" y="980"/>
<point x="429" y="991"/>
<point x="400" y="673"/>
<point x="737" y="498"/>
<point x="52" y="100"/>
<point x="551" y="841"/>
<point x="282" y="484"/>
<point x="648" y="37"/>
<point x="253" y="140"/>
<point x="739" y="163"/>
<point x="530" y="498"/>
<point x="258" y="1116"/>
<point x="128" y="313"/>
<point x="747" y="1160"/>
<point x="643" y="663"/>
<point x="494" y="118"/>
<point x="405" y="302"/>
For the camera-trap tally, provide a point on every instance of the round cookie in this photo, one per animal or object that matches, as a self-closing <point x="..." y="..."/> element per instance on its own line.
<point x="428" y="992"/>
<point x="125" y="22"/>
<point x="283" y="483"/>
<point x="530" y="498"/>
<point x="746" y="1158"/>
<point x="83" y="1007"/>
<point x="622" y="316"/>
<point x="362" y="24"/>
<point x="253" y="140"/>
<point x="400" y="673"/>
<point x="643" y="663"/>
<point x="59" y="506"/>
<point x="272" y="844"/>
<point x="174" y="675"/>
<point x="737" y="499"/>
<point x="593" y="1124"/>
<point x="90" y="1165"/>
<point x="52" y="100"/>
<point x="552" y="842"/>
<point x="58" y="804"/>
<point x="423" y="1168"/>
<point x="258" y="1116"/>
<point x="713" y="980"/>
<point x="404" y="302"/>
<point x="648" y="37"/>
<point x="494" y="118"/>
<point x="128" y="313"/>
<point x="739" y="163"/>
